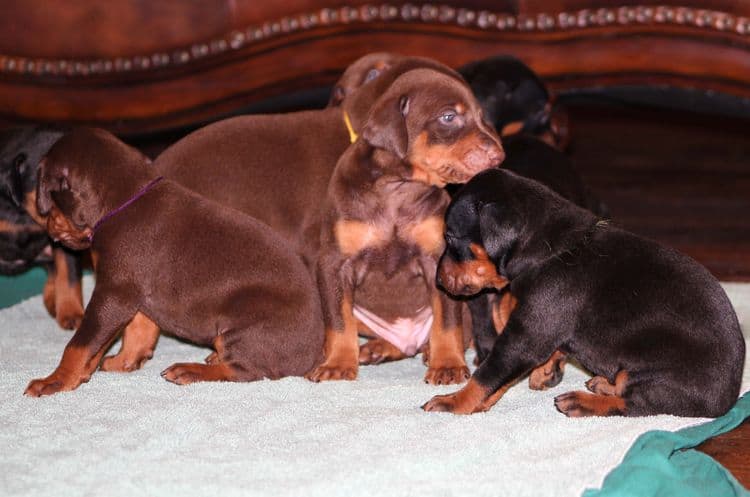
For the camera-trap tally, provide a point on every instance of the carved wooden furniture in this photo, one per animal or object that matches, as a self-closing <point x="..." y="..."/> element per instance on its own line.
<point x="137" y="66"/>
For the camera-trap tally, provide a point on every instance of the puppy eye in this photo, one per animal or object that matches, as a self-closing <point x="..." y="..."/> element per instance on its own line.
<point x="447" y="117"/>
<point x="20" y="159"/>
<point x="371" y="74"/>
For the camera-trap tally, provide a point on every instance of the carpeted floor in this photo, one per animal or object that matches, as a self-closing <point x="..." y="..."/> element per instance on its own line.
<point x="136" y="434"/>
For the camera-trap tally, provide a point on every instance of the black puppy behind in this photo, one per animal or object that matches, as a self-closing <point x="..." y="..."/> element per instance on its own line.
<point x="22" y="238"/>
<point x="23" y="241"/>
<point x="515" y="100"/>
<point x="654" y="327"/>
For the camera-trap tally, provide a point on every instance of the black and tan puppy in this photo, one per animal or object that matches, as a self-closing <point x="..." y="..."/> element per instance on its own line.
<point x="198" y="270"/>
<point x="531" y="158"/>
<point x="515" y="100"/>
<point x="383" y="218"/>
<point x="653" y="326"/>
<point x="23" y="241"/>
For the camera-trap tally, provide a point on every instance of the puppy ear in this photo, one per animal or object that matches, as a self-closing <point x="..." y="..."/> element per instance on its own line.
<point x="46" y="185"/>
<point x="498" y="233"/>
<point x="337" y="96"/>
<point x="386" y="126"/>
<point x="15" y="181"/>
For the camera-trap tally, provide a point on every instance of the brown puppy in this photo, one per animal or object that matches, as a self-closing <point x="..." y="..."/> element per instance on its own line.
<point x="383" y="219"/>
<point x="277" y="169"/>
<point x="205" y="273"/>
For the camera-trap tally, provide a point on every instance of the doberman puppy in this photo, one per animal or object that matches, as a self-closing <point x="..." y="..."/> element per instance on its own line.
<point x="23" y="241"/>
<point x="383" y="215"/>
<point x="531" y="158"/>
<point x="277" y="168"/>
<point x="205" y="273"/>
<point x="654" y="327"/>
<point x="515" y="100"/>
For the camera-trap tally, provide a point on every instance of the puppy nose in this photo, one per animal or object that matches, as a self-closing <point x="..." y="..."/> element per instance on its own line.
<point x="494" y="151"/>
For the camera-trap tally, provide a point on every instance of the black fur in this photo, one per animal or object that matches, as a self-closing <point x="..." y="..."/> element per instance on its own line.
<point x="608" y="298"/>
<point x="22" y="241"/>
<point x="509" y="91"/>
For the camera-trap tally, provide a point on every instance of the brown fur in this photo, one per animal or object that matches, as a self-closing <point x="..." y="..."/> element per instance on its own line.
<point x="277" y="168"/>
<point x="252" y="295"/>
<point x="379" y="220"/>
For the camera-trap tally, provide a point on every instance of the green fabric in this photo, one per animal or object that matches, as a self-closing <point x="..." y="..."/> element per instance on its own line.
<point x="14" y="289"/>
<point x="663" y="463"/>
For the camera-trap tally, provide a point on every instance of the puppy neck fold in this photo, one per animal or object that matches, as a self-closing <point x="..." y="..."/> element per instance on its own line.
<point x="141" y="192"/>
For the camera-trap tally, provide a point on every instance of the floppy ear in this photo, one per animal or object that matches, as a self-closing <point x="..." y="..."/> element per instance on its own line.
<point x="15" y="181"/>
<point x="46" y="185"/>
<point x="386" y="125"/>
<point x="337" y="96"/>
<point x="498" y="232"/>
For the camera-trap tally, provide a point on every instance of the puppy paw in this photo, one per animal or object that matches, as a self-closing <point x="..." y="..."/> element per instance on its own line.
<point x="52" y="384"/>
<point x="581" y="404"/>
<point x="212" y="358"/>
<point x="121" y="363"/>
<point x="48" y="297"/>
<point x="441" y="403"/>
<point x="447" y="375"/>
<point x="69" y="315"/>
<point x="549" y="374"/>
<point x="328" y="373"/>
<point x="600" y="385"/>
<point x="377" y="351"/>
<point x="186" y="373"/>
<point x="542" y="378"/>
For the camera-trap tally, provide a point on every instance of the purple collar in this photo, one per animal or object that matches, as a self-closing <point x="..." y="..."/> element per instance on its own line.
<point x="132" y="199"/>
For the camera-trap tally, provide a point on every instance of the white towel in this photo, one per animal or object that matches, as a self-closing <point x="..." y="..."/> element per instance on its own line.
<point x="138" y="435"/>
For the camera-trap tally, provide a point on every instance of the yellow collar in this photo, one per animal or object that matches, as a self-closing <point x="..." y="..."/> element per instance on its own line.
<point x="352" y="134"/>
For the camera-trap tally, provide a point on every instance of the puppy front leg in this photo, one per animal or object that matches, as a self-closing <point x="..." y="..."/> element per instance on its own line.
<point x="335" y="281"/>
<point x="482" y="327"/>
<point x="68" y="293"/>
<point x="514" y="354"/>
<point x="138" y="342"/>
<point x="447" y="364"/>
<point x="103" y="318"/>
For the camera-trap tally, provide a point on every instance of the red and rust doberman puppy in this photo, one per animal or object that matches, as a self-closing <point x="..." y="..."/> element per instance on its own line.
<point x="654" y="326"/>
<point x="23" y="241"/>
<point x="382" y="220"/>
<point x="277" y="169"/>
<point x="199" y="270"/>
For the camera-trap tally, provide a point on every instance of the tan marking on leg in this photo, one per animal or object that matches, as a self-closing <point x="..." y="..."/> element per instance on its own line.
<point x="68" y="298"/>
<point x="378" y="350"/>
<point x="501" y="311"/>
<point x="354" y="236"/>
<point x="138" y="341"/>
<point x="472" y="398"/>
<point x="48" y="294"/>
<point x="548" y="374"/>
<point x="341" y="350"/>
<point x="186" y="373"/>
<point x="447" y="363"/>
<point x="601" y="385"/>
<point x="76" y="366"/>
<point x="581" y="404"/>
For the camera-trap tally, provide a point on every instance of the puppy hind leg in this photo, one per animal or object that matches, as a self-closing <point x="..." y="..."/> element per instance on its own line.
<point x="607" y="399"/>
<point x="138" y="342"/>
<point x="219" y="367"/>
